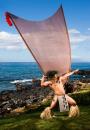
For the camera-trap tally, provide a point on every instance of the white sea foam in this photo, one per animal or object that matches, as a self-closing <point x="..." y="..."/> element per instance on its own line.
<point x="21" y="81"/>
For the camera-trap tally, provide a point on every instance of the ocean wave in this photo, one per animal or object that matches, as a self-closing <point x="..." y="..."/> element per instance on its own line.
<point x="21" y="81"/>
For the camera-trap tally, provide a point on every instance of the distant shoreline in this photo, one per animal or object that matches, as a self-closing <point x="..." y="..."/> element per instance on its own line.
<point x="36" y="62"/>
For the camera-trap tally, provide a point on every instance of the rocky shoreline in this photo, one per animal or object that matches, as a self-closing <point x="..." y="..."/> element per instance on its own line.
<point x="31" y="95"/>
<point x="24" y="97"/>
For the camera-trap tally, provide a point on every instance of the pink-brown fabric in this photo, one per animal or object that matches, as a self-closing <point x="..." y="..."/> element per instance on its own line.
<point x="47" y="40"/>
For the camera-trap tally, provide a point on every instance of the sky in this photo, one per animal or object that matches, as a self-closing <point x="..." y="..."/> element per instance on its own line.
<point x="77" y="15"/>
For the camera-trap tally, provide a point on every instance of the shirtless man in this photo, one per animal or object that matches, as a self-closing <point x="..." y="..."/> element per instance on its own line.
<point x="56" y="83"/>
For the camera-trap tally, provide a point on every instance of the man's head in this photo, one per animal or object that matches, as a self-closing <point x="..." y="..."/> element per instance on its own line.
<point x="52" y="74"/>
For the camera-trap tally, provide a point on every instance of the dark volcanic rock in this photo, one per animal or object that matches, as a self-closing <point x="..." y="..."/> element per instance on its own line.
<point x="83" y="72"/>
<point x="25" y="96"/>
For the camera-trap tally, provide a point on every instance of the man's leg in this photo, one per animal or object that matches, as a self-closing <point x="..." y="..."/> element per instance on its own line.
<point x="74" y="110"/>
<point x="54" y="101"/>
<point x="70" y="100"/>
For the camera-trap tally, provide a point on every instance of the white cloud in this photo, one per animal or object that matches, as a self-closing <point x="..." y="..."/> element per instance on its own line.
<point x="73" y="31"/>
<point x="88" y="29"/>
<point x="77" y="37"/>
<point x="9" y="37"/>
<point x="12" y="47"/>
<point x="10" y="41"/>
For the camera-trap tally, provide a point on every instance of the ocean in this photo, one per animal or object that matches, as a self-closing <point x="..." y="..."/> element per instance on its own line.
<point x="13" y="71"/>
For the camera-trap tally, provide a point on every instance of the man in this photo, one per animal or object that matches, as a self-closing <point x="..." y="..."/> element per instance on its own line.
<point x="56" y="83"/>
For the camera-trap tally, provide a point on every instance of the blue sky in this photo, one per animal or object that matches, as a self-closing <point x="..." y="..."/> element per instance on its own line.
<point x="77" y="15"/>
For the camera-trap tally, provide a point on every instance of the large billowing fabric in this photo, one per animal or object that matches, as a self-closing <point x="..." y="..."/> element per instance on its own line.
<point x="47" y="40"/>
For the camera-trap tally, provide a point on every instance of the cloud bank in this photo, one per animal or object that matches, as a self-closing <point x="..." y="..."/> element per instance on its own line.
<point x="77" y="37"/>
<point x="12" y="41"/>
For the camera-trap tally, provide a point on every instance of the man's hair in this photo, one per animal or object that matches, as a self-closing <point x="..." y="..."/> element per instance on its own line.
<point x="51" y="74"/>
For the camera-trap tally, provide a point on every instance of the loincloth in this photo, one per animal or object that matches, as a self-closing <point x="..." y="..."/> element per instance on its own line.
<point x="63" y="104"/>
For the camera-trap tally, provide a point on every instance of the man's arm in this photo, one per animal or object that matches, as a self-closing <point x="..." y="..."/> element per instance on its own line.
<point x="70" y="73"/>
<point x="45" y="83"/>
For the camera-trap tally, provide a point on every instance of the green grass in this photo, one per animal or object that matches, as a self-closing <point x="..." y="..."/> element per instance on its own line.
<point x="32" y="121"/>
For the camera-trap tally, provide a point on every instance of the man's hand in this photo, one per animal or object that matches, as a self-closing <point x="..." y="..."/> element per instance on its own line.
<point x="75" y="71"/>
<point x="43" y="77"/>
<point x="44" y="82"/>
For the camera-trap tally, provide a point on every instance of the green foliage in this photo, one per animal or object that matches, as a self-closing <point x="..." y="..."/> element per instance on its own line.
<point x="82" y="98"/>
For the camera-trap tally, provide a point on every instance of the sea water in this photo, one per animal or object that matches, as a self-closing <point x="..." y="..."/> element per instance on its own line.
<point x="11" y="72"/>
